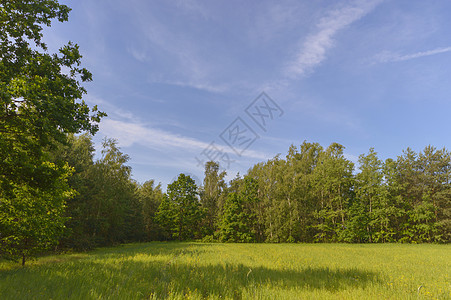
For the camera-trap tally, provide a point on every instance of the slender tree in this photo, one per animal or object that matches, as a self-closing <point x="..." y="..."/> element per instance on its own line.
<point x="150" y="197"/>
<point x="212" y="195"/>
<point x="366" y="215"/>
<point x="333" y="186"/>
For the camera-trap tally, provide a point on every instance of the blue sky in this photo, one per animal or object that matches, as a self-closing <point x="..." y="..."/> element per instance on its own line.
<point x="173" y="75"/>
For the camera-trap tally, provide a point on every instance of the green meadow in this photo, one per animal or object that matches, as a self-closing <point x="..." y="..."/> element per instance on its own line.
<point x="236" y="271"/>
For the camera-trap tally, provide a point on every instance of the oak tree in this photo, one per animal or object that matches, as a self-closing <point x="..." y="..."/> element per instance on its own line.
<point x="40" y="103"/>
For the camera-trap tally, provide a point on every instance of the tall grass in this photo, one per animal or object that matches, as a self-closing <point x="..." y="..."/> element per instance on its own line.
<point x="236" y="271"/>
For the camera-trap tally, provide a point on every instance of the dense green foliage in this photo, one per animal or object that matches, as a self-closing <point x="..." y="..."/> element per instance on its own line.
<point x="40" y="93"/>
<point x="150" y="197"/>
<point x="238" y="219"/>
<point x="313" y="195"/>
<point x="212" y="195"/>
<point x="180" y="212"/>
<point x="32" y="219"/>
<point x="40" y="103"/>
<point x="236" y="271"/>
<point x="109" y="207"/>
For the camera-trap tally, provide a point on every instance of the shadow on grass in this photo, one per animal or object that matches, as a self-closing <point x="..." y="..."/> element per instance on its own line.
<point x="133" y="271"/>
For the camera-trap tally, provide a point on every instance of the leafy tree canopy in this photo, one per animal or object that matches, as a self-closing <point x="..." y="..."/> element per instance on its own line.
<point x="40" y="104"/>
<point x="40" y="93"/>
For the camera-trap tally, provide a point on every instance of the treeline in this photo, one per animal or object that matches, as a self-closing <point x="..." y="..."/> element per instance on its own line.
<point x="311" y="195"/>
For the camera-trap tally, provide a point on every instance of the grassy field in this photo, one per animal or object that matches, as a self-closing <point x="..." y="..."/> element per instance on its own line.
<point x="236" y="271"/>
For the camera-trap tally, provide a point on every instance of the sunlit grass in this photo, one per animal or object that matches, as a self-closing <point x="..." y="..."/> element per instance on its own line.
<point x="235" y="271"/>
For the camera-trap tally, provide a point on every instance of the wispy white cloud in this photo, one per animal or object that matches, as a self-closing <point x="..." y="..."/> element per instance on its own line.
<point x="193" y="6"/>
<point x="387" y="56"/>
<point x="314" y="48"/>
<point x="110" y="109"/>
<point x="205" y="86"/>
<point x="129" y="133"/>
<point x="138" y="54"/>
